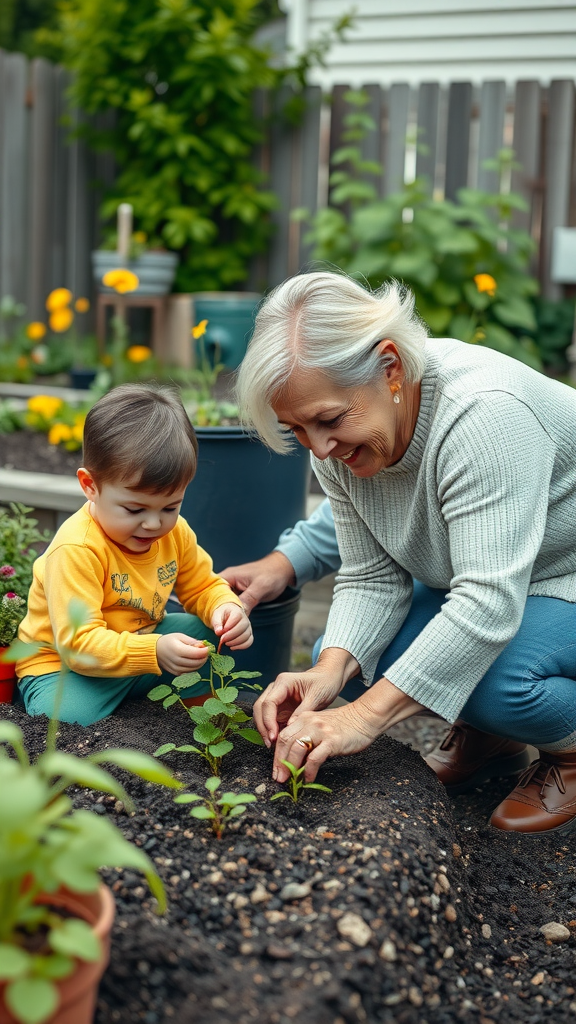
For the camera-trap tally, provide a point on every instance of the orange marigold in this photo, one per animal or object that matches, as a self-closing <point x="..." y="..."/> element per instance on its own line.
<point x="61" y="319"/>
<point x="485" y="283"/>
<point x="36" y="330"/>
<point x="59" y="432"/>
<point x="58" y="298"/>
<point x="139" y="353"/>
<point x="121" y="280"/>
<point x="82" y="305"/>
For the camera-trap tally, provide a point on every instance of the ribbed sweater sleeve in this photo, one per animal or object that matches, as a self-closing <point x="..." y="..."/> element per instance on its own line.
<point x="311" y="546"/>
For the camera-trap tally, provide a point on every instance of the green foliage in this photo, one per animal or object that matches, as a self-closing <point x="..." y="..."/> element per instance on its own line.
<point x="436" y="247"/>
<point x="179" y="76"/>
<point x="217" y="812"/>
<point x="553" y="333"/>
<point x="219" y="718"/>
<point x="297" y="785"/>
<point x="45" y="844"/>
<point x="19" y="537"/>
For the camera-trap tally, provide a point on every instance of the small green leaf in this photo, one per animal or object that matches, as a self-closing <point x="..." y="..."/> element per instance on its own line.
<point x="316" y="785"/>
<point x="236" y="810"/>
<point x="54" y="967"/>
<point x="189" y="749"/>
<point x="222" y="664"/>
<point x="75" y="938"/>
<point x="237" y="798"/>
<point x="10" y="733"/>
<point x="278" y="796"/>
<point x="159" y="692"/>
<point x="19" y="649"/>
<point x="165" y="749"/>
<point x="138" y="763"/>
<point x="14" y="962"/>
<point x="245" y="675"/>
<point x="32" y="1000"/>
<point x="170" y="700"/>
<point x="213" y="783"/>
<point x="220" y="749"/>
<point x="202" y="812"/>
<point x="186" y="680"/>
<point x="206" y="733"/>
<point x="198" y="715"/>
<point x="252" y="735"/>
<point x="227" y="695"/>
<point x="187" y="798"/>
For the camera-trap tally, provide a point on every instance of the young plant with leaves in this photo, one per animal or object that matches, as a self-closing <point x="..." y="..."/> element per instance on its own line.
<point x="216" y="811"/>
<point x="297" y="785"/>
<point x="217" y="720"/>
<point x="45" y="844"/>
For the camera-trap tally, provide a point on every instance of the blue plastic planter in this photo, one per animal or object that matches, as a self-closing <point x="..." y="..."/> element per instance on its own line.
<point x="230" y="317"/>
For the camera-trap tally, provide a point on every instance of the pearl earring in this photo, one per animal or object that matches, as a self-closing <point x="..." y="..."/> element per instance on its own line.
<point x="396" y="399"/>
<point x="395" y="388"/>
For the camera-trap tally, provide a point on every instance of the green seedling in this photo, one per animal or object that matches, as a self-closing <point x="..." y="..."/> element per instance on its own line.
<point x="217" y="812"/>
<point x="219" y="718"/>
<point x="297" y="784"/>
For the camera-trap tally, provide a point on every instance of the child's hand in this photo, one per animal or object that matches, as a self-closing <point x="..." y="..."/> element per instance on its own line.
<point x="178" y="653"/>
<point x="232" y="625"/>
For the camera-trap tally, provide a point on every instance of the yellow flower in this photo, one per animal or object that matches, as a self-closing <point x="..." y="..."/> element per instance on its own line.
<point x="121" y="280"/>
<point x="139" y="353"/>
<point x="485" y="283"/>
<point x="200" y="329"/>
<point x="61" y="319"/>
<point x="45" y="405"/>
<point x="77" y="432"/>
<point x="36" y="330"/>
<point x="140" y="237"/>
<point x="59" y="298"/>
<point x="82" y="305"/>
<point x="59" y="432"/>
<point x="22" y="362"/>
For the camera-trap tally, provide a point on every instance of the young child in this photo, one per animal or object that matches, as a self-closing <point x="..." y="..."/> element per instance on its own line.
<point x="122" y="554"/>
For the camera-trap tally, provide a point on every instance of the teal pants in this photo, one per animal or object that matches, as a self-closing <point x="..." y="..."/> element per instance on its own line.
<point x="87" y="699"/>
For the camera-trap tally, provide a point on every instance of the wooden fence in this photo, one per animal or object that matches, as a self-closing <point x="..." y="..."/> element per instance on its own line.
<point x="50" y="185"/>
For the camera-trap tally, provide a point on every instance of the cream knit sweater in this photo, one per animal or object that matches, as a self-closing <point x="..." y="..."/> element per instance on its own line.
<point x="482" y="504"/>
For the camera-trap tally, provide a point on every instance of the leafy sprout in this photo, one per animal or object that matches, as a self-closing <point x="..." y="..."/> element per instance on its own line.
<point x="216" y="811"/>
<point x="297" y="785"/>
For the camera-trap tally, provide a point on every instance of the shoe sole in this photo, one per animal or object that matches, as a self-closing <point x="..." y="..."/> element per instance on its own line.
<point x="560" y="830"/>
<point x="497" y="769"/>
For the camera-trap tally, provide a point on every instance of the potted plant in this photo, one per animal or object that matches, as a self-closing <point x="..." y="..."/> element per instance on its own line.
<point x="153" y="265"/>
<point x="18" y="539"/>
<point x="230" y="323"/>
<point x="56" y="915"/>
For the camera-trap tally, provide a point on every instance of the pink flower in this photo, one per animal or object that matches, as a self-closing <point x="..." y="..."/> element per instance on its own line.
<point x="10" y="595"/>
<point x="7" y="571"/>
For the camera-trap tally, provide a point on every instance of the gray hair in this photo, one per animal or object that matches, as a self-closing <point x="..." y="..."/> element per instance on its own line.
<point x="329" y="322"/>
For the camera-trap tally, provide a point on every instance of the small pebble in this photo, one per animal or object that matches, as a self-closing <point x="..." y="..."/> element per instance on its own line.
<point x="352" y="926"/>
<point x="486" y="931"/>
<point x="443" y="883"/>
<point x="260" y="789"/>
<point x="538" y="978"/>
<point x="240" y="902"/>
<point x="555" y="932"/>
<point x="450" y="913"/>
<point x="415" y="996"/>
<point x="295" y="891"/>
<point x="278" y="952"/>
<point x="456" y="850"/>
<point x="215" y="877"/>
<point x="448" y="952"/>
<point x="259" y="894"/>
<point x="387" y="951"/>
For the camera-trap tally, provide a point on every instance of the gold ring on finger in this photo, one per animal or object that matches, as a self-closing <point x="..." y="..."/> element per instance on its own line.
<point x="306" y="741"/>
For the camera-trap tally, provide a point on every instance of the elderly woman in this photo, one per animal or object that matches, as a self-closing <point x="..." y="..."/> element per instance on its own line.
<point x="452" y="465"/>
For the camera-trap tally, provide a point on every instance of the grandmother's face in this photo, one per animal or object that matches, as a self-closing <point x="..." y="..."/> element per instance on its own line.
<point x="361" y="427"/>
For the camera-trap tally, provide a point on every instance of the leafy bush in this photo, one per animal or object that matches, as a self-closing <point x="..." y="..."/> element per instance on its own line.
<point x="466" y="266"/>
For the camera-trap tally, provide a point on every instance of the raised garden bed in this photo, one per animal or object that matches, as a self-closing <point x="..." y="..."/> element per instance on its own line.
<point x="451" y="910"/>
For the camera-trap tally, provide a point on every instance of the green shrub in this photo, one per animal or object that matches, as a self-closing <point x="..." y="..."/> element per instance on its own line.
<point x="466" y="266"/>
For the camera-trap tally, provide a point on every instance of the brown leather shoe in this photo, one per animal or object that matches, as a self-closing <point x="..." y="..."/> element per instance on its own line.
<point x="544" y="800"/>
<point x="466" y="757"/>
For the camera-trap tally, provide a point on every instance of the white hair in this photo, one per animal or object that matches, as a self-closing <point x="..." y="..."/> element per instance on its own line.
<point x="324" y="321"/>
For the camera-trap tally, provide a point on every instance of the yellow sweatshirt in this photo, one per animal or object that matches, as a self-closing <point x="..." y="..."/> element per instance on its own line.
<point x="125" y="593"/>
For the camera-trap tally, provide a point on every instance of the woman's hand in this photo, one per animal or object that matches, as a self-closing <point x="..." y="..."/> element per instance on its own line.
<point x="334" y="732"/>
<point x="262" y="580"/>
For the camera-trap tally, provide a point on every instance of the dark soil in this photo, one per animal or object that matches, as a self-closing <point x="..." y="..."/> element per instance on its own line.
<point x="29" y="451"/>
<point x="425" y="874"/>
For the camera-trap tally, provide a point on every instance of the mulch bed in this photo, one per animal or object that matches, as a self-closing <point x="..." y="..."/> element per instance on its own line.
<point x="29" y="451"/>
<point x="452" y="908"/>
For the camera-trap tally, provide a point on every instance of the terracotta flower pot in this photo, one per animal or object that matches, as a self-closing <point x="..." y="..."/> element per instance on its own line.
<point x="7" y="680"/>
<point x="78" y="990"/>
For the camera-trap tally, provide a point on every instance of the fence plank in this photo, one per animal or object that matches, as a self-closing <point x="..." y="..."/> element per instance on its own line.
<point x="79" y="238"/>
<point x="372" y="143"/>
<point x="558" y="156"/>
<point x="281" y="139"/>
<point x="491" y="139"/>
<point x="13" y="174"/>
<point x="526" y="143"/>
<point x="458" y="137"/>
<point x="427" y="128"/>
<point x="59" y="191"/>
<point x="42" y="138"/>
<point x="395" y="140"/>
<point x="306" y="193"/>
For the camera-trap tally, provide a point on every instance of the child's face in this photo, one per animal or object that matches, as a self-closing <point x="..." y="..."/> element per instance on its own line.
<point x="132" y="519"/>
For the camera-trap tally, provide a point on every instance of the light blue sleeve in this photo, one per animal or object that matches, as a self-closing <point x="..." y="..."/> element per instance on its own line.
<point x="311" y="545"/>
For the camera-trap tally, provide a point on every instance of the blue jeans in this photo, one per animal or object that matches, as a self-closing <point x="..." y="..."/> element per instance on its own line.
<point x="529" y="693"/>
<point x="87" y="699"/>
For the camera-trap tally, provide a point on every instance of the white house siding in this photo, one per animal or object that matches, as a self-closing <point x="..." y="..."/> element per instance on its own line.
<point x="439" y="40"/>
